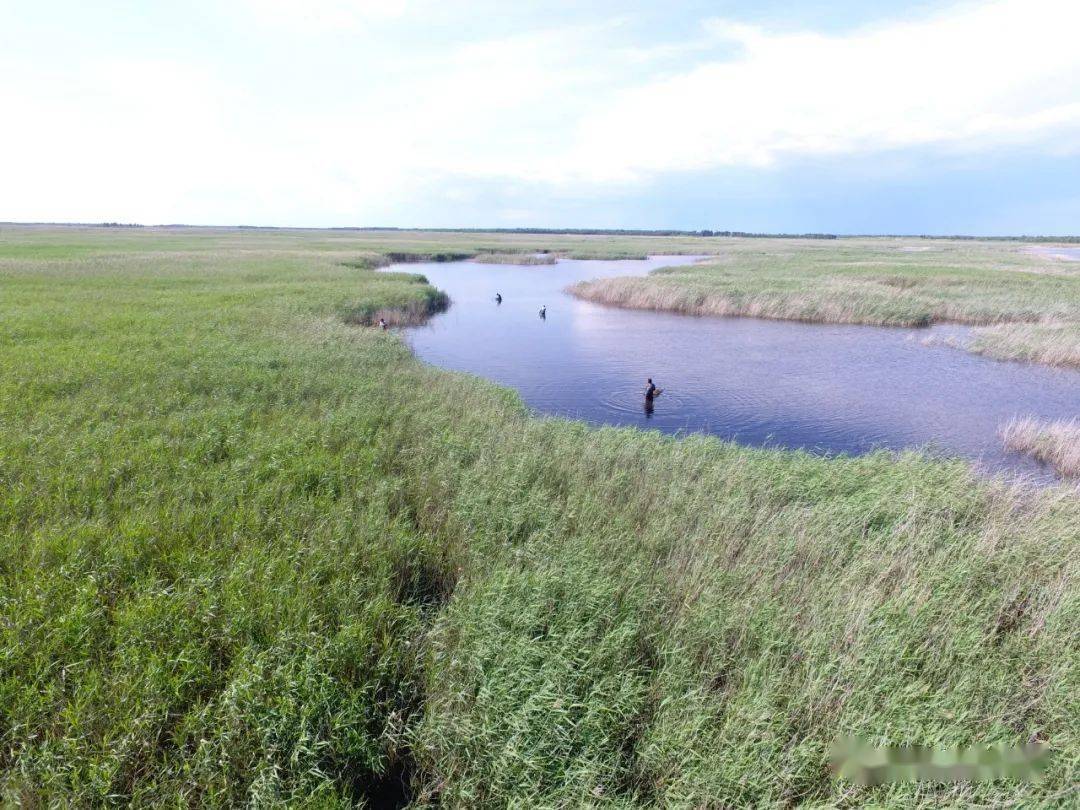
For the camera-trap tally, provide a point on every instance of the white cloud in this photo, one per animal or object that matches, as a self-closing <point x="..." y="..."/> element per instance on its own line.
<point x="325" y="14"/>
<point x="116" y="136"/>
<point x="556" y="105"/>
<point x="325" y="136"/>
<point x="977" y="75"/>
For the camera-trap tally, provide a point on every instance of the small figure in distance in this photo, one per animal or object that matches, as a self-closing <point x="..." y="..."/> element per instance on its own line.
<point x="383" y="325"/>
<point x="651" y="392"/>
<point x="498" y="298"/>
<point x="543" y="311"/>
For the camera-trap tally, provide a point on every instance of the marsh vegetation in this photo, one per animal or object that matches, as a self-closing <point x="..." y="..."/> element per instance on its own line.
<point x="1026" y="305"/>
<point x="1055" y="442"/>
<point x="516" y="258"/>
<point x="254" y="554"/>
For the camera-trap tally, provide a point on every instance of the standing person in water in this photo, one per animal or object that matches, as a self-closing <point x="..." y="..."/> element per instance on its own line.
<point x="498" y="298"/>
<point x="651" y="393"/>
<point x="543" y="311"/>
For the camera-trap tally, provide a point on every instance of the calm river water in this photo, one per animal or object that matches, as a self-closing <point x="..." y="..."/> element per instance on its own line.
<point x="828" y="389"/>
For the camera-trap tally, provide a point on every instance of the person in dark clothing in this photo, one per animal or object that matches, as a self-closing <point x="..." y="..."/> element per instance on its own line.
<point x="498" y="298"/>
<point x="651" y="392"/>
<point x="543" y="311"/>
<point x="383" y="325"/>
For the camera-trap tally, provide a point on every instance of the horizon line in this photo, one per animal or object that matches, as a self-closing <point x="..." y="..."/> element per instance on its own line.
<point x="706" y="233"/>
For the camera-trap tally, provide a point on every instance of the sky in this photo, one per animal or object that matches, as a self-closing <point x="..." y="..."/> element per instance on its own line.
<point x="856" y="116"/>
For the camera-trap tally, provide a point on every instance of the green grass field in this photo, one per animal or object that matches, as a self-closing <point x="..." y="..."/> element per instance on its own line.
<point x="253" y="554"/>
<point x="1026" y="305"/>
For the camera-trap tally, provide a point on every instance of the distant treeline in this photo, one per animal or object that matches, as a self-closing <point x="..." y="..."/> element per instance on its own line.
<point x="962" y="237"/>
<point x="86" y="225"/>
<point x="706" y="232"/>
<point x="572" y="231"/>
<point x="604" y="232"/>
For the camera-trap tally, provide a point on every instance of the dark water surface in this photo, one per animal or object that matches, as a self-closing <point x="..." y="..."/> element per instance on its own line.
<point x="829" y="389"/>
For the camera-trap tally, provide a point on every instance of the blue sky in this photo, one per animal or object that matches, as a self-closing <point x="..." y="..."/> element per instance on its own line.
<point x="848" y="117"/>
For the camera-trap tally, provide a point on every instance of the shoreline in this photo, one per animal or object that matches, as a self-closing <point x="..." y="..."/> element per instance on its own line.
<point x="1050" y="341"/>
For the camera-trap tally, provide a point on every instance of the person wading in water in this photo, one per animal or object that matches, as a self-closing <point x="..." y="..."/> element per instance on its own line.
<point x="652" y="392"/>
<point x="543" y="312"/>
<point x="498" y="298"/>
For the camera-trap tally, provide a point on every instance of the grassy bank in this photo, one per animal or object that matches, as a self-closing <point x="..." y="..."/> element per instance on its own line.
<point x="251" y="553"/>
<point x="517" y="258"/>
<point x="1027" y="304"/>
<point x="1056" y="443"/>
<point x="1053" y="342"/>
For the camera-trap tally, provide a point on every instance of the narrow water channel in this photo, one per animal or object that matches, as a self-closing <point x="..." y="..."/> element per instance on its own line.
<point x="825" y="388"/>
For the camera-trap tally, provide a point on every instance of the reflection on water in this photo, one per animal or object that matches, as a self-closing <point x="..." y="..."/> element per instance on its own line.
<point x="1071" y="254"/>
<point x="826" y="388"/>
